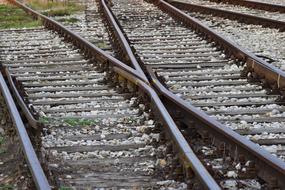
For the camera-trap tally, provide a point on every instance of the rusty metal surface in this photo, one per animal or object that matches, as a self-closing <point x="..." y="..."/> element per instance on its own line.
<point x="272" y="165"/>
<point x="123" y="41"/>
<point x="267" y="165"/>
<point x="89" y="49"/>
<point x="32" y="121"/>
<point x="39" y="177"/>
<point x="261" y="70"/>
<point x="129" y="75"/>
<point x="245" y="18"/>
<point x="255" y="4"/>
<point x="191" y="159"/>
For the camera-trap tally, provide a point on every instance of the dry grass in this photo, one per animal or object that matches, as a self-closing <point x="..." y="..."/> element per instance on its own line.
<point x="13" y="17"/>
<point x="54" y="8"/>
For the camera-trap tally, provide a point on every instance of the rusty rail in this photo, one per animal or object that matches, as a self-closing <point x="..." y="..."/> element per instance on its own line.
<point x="188" y="158"/>
<point x="36" y="170"/>
<point x="89" y="49"/>
<point x="266" y="164"/>
<point x="241" y="17"/>
<point x="125" y="76"/>
<point x="254" y="4"/>
<point x="115" y="29"/>
<point x="26" y="111"/>
<point x="187" y="153"/>
<point x="259" y="69"/>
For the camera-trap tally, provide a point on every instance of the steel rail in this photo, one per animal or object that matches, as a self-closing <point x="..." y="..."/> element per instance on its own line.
<point x="259" y="69"/>
<point x="30" y="118"/>
<point x="90" y="49"/>
<point x="36" y="170"/>
<point x="241" y="17"/>
<point x="135" y="78"/>
<point x="122" y="40"/>
<point x="186" y="153"/>
<point x="266" y="164"/>
<point x="254" y="4"/>
<point x="197" y="167"/>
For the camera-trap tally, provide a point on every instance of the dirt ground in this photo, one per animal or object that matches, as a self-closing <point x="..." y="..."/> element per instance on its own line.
<point x="14" y="173"/>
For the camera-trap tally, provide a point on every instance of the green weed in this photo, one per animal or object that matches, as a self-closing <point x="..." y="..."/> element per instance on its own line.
<point x="2" y="150"/>
<point x="2" y="140"/>
<point x="68" y="20"/>
<point x="54" y="8"/>
<point x="7" y="187"/>
<point x="44" y="120"/>
<point x="13" y="17"/>
<point x="80" y="122"/>
<point x="102" y="45"/>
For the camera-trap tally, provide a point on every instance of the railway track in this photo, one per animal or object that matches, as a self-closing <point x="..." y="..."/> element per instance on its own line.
<point x="95" y="108"/>
<point x="240" y="9"/>
<point x="274" y="5"/>
<point x="87" y="22"/>
<point x="197" y="71"/>
<point x="204" y="76"/>
<point x="264" y="42"/>
<point x="20" y="144"/>
<point x="94" y="136"/>
<point x="274" y="2"/>
<point x="95" y="133"/>
<point x="234" y="12"/>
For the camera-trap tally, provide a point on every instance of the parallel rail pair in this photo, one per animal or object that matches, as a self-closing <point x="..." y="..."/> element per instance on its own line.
<point x="255" y="4"/>
<point x="242" y="17"/>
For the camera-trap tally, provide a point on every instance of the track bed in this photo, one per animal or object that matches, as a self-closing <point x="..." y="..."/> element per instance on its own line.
<point x="264" y="42"/>
<point x="94" y="135"/>
<point x="201" y="74"/>
<point x="240" y="9"/>
<point x="88" y="23"/>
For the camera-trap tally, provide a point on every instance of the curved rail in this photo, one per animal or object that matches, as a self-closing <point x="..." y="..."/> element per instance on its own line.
<point x="255" y="4"/>
<point x="267" y="164"/>
<point x="29" y="116"/>
<point x="263" y="71"/>
<point x="199" y="170"/>
<point x="245" y="18"/>
<point x="134" y="77"/>
<point x="191" y="160"/>
<point x="37" y="172"/>
<point x="123" y="41"/>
